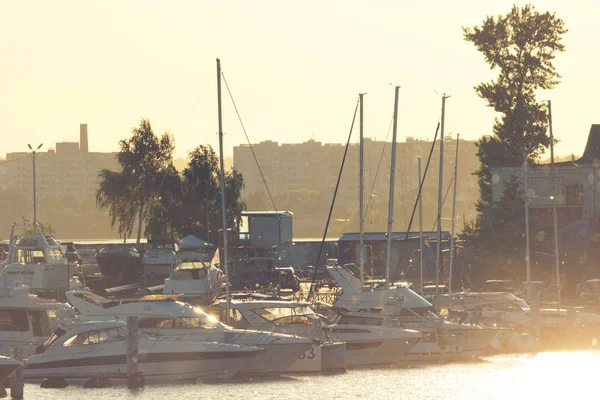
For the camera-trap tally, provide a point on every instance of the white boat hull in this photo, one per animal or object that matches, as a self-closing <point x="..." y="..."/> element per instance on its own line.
<point x="374" y="352"/>
<point x="277" y="358"/>
<point x="155" y="367"/>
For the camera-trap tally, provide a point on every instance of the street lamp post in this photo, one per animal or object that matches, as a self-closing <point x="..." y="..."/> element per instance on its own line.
<point x="34" y="201"/>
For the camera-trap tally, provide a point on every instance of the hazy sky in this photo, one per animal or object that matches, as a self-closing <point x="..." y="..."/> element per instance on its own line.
<point x="295" y="69"/>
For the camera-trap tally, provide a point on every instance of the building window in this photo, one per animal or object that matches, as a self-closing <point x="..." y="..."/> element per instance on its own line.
<point x="574" y="195"/>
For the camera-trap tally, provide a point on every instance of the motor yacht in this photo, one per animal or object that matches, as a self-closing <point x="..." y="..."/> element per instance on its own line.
<point x="296" y="318"/>
<point x="403" y="308"/>
<point x="504" y="309"/>
<point x="176" y="320"/>
<point x="26" y="320"/>
<point x="198" y="282"/>
<point x="38" y="261"/>
<point x="159" y="260"/>
<point x="371" y="341"/>
<point x="121" y="265"/>
<point x="81" y="350"/>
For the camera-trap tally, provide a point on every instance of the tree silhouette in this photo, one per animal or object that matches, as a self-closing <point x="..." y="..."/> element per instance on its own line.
<point x="521" y="46"/>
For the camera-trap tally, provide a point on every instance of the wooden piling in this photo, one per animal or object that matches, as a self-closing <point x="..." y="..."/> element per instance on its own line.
<point x="535" y="321"/>
<point x="16" y="378"/>
<point x="135" y="378"/>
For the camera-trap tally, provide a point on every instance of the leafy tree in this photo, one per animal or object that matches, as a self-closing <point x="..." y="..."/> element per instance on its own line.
<point x="200" y="192"/>
<point x="202" y="196"/>
<point x="144" y="159"/>
<point x="234" y="184"/>
<point x="521" y="46"/>
<point x="165" y="213"/>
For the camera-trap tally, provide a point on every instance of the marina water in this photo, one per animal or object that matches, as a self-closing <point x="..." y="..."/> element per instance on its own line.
<point x="548" y="375"/>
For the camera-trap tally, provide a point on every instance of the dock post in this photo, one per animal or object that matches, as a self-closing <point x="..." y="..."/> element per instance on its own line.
<point x="135" y="379"/>
<point x="571" y="323"/>
<point x="3" y="393"/>
<point x="16" y="378"/>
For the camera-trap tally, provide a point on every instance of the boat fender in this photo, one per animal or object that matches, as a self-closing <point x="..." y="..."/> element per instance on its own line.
<point x="135" y="381"/>
<point x="97" y="382"/>
<point x="53" y="383"/>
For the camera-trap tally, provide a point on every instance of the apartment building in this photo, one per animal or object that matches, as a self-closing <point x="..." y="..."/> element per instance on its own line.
<point x="67" y="170"/>
<point x="316" y="165"/>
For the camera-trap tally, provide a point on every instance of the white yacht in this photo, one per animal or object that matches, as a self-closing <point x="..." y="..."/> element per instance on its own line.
<point x="176" y="320"/>
<point x="38" y="261"/>
<point x="81" y="350"/>
<point x="25" y="320"/>
<point x="405" y="309"/>
<point x="197" y="282"/>
<point x="296" y="318"/>
<point x="371" y="341"/>
<point x="507" y="310"/>
<point x="159" y="260"/>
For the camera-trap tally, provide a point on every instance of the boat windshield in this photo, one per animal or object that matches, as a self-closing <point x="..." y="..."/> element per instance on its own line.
<point x="97" y="336"/>
<point x="28" y="256"/>
<point x="359" y="320"/>
<point x="203" y="322"/>
<point x="286" y="315"/>
<point x="186" y="271"/>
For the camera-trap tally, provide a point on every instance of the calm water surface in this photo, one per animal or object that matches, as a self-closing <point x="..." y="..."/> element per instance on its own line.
<point x="556" y="375"/>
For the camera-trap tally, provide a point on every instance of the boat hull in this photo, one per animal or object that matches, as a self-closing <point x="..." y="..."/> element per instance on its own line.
<point x="276" y="359"/>
<point x="377" y="352"/>
<point x="334" y="357"/>
<point x="155" y="367"/>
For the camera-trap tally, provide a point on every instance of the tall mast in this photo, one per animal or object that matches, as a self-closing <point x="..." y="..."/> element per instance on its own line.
<point x="420" y="224"/>
<point x="527" y="252"/>
<point x="556" y="257"/>
<point x="439" y="214"/>
<point x="223" y="209"/>
<point x="361" y="195"/>
<point x="453" y="216"/>
<point x="391" y="197"/>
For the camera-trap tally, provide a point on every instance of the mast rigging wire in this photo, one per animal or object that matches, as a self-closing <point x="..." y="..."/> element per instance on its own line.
<point x="251" y="147"/>
<point x="337" y="185"/>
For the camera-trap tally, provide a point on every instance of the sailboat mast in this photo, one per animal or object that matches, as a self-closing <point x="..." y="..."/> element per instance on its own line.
<point x="554" y="194"/>
<point x="439" y="214"/>
<point x="453" y="214"/>
<point x="361" y="195"/>
<point x="391" y="197"/>
<point x="420" y="225"/>
<point x="223" y="209"/>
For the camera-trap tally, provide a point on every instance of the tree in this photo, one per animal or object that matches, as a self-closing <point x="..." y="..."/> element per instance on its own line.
<point x="522" y="47"/>
<point x="144" y="159"/>
<point x="165" y="214"/>
<point x="200" y="191"/>
<point x="114" y="195"/>
<point x="202" y="194"/>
